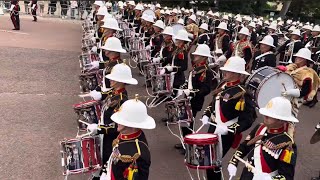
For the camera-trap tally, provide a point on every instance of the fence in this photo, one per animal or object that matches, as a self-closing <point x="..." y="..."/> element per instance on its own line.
<point x="48" y="9"/>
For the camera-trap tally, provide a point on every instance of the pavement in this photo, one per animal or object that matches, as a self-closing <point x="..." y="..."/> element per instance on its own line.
<point x="39" y="77"/>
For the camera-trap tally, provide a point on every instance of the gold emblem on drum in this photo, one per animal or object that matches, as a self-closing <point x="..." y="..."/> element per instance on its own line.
<point x="269" y="105"/>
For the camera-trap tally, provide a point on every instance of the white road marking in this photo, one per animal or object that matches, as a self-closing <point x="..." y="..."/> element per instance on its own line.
<point x="14" y="32"/>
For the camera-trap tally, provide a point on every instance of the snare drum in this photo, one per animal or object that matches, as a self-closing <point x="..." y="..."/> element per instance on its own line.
<point x="161" y="84"/>
<point x="179" y="111"/>
<point x="151" y="69"/>
<point x="80" y="155"/>
<point x="89" y="112"/>
<point x="89" y="81"/>
<point x="267" y="83"/>
<point x="86" y="58"/>
<point x="201" y="151"/>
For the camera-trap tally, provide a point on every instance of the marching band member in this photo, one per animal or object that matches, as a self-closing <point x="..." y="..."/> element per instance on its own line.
<point x="272" y="28"/>
<point x="14" y="14"/>
<point x="315" y="42"/>
<point x="204" y="37"/>
<point x="157" y="11"/>
<point x="253" y="35"/>
<point x="173" y="16"/>
<point x="167" y="47"/>
<point x="179" y="62"/>
<point x="34" y="8"/>
<point x="97" y="5"/>
<point x="131" y="157"/>
<point x="269" y="148"/>
<point x="112" y="50"/>
<point x="306" y="79"/>
<point x="265" y="56"/>
<point x="236" y="27"/>
<point x="110" y="27"/>
<point x="306" y="35"/>
<point x="147" y="28"/>
<point x="192" y="27"/>
<point x="200" y="78"/>
<point x="222" y="39"/>
<point x="157" y="38"/>
<point x="231" y="109"/>
<point x="103" y="11"/>
<point x="291" y="47"/>
<point x="213" y="20"/>
<point x="243" y="47"/>
<point x="137" y="18"/>
<point x="119" y="77"/>
<point x="129" y="12"/>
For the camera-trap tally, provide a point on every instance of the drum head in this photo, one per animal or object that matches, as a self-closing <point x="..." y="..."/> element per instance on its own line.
<point x="201" y="138"/>
<point x="273" y="87"/>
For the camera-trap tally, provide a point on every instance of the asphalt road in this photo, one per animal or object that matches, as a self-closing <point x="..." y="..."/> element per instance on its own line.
<point x="39" y="84"/>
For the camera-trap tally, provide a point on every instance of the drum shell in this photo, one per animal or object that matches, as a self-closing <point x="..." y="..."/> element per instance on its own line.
<point x="93" y="110"/>
<point x="179" y="111"/>
<point x="85" y="153"/>
<point x="161" y="84"/>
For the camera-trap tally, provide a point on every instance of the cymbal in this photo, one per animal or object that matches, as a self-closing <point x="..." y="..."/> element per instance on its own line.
<point x="316" y="137"/>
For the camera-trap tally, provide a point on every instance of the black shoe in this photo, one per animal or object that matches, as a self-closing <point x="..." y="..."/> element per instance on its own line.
<point x="178" y="146"/>
<point x="313" y="103"/>
<point x="15" y="29"/>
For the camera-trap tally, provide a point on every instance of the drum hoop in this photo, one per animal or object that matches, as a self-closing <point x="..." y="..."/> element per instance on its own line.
<point x="206" y="141"/>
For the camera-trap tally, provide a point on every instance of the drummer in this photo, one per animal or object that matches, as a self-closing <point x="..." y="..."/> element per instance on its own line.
<point x="119" y="77"/>
<point x="200" y="79"/>
<point x="231" y="109"/>
<point x="112" y="50"/>
<point x="137" y="18"/>
<point x="156" y="38"/>
<point x="131" y="157"/>
<point x="103" y="11"/>
<point x="222" y="39"/>
<point x="305" y="77"/>
<point x="179" y="60"/>
<point x="167" y="47"/>
<point x="110" y="27"/>
<point x="265" y="56"/>
<point x="147" y="28"/>
<point x="276" y="158"/>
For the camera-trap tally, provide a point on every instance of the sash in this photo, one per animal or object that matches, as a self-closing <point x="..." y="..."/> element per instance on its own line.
<point x="262" y="55"/>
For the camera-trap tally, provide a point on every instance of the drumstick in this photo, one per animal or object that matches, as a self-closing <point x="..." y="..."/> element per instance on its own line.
<point x="245" y="163"/>
<point x="216" y="126"/>
<point x="84" y="122"/>
<point x="84" y="95"/>
<point x="83" y="135"/>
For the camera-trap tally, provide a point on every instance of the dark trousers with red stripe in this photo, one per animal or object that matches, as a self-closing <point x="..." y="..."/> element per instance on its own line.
<point x="15" y="20"/>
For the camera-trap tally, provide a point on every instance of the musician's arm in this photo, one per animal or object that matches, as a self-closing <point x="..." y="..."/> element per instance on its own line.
<point x="287" y="163"/>
<point x="306" y="87"/>
<point x="181" y="61"/>
<point x="297" y="47"/>
<point x="283" y="47"/>
<point x="225" y="44"/>
<point x="205" y="87"/>
<point x="247" y="55"/>
<point x="244" y="148"/>
<point x="272" y="60"/>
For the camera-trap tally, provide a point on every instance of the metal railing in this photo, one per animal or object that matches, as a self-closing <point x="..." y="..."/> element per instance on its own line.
<point x="48" y="9"/>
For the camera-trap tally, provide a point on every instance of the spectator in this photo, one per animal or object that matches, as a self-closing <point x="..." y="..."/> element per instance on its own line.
<point x="26" y="7"/>
<point x="52" y="7"/>
<point x="74" y="6"/>
<point x="41" y="5"/>
<point x="64" y="8"/>
<point x="82" y="6"/>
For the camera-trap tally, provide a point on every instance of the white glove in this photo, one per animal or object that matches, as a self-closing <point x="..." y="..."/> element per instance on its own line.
<point x="156" y="60"/>
<point x="169" y="68"/>
<point x="148" y="47"/>
<point x="137" y="34"/>
<point x="162" y="71"/>
<point x="93" y="39"/>
<point x="92" y="128"/>
<point x="205" y="119"/>
<point x="232" y="169"/>
<point x="292" y="93"/>
<point x="94" y="64"/>
<point x="96" y="95"/>
<point x="12" y="6"/>
<point x="261" y="176"/>
<point x="33" y="6"/>
<point x="104" y="89"/>
<point x="103" y="176"/>
<point x="222" y="130"/>
<point x="186" y="92"/>
<point x="180" y="91"/>
<point x="94" y="49"/>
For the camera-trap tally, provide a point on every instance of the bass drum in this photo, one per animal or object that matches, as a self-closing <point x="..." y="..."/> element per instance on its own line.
<point x="267" y="83"/>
